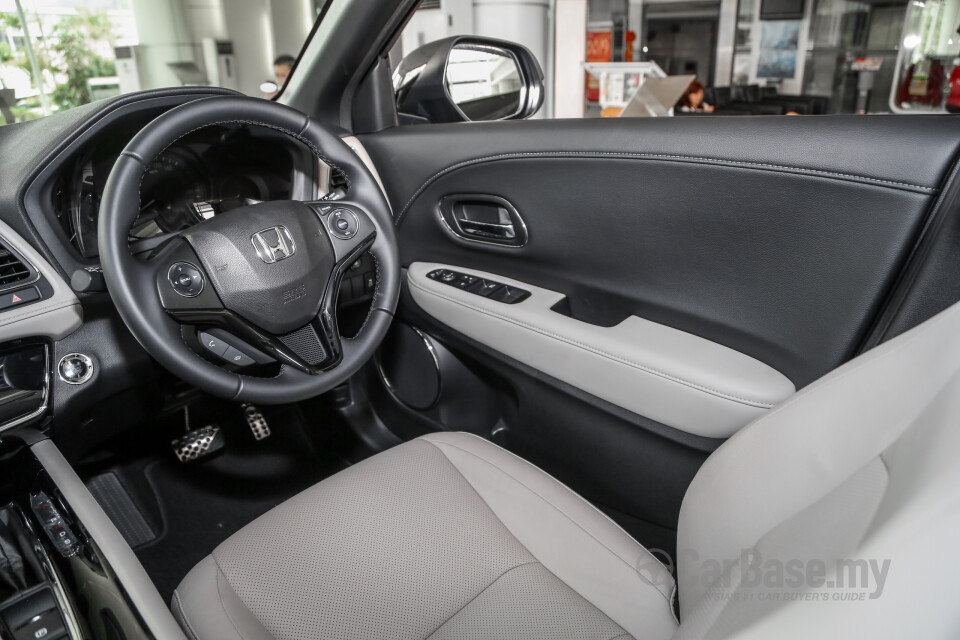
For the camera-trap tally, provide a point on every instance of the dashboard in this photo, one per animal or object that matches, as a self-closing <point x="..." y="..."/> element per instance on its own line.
<point x="54" y="172"/>
<point x="209" y="172"/>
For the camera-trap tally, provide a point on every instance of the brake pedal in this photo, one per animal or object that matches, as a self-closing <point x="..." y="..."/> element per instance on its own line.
<point x="255" y="420"/>
<point x="199" y="443"/>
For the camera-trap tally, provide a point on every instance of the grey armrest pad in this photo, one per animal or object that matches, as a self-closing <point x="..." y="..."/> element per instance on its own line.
<point x="667" y="375"/>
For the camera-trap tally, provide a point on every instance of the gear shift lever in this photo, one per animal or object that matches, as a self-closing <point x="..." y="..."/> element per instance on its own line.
<point x="12" y="571"/>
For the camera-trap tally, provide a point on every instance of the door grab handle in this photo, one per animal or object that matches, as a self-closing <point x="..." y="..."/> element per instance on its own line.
<point x="488" y="229"/>
<point x="481" y="218"/>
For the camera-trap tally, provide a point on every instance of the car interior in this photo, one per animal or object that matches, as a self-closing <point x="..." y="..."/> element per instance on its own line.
<point x="343" y="364"/>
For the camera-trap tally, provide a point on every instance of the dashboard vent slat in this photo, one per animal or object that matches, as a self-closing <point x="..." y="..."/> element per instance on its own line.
<point x="12" y="269"/>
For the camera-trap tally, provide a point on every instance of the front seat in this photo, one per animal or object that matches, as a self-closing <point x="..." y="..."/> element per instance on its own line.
<point x="834" y="515"/>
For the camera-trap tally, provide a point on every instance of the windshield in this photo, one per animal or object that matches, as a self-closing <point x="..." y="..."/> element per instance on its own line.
<point x="59" y="54"/>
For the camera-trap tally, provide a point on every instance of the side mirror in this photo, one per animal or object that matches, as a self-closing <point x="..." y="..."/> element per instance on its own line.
<point x="468" y="78"/>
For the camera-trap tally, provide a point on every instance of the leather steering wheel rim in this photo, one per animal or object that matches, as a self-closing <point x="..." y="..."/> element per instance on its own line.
<point x="132" y="281"/>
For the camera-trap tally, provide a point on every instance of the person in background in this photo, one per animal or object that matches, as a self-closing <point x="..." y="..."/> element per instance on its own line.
<point x="692" y="100"/>
<point x="281" y="70"/>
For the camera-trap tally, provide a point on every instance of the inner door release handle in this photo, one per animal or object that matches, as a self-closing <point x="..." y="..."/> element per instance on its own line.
<point x="484" y="218"/>
<point x="504" y="230"/>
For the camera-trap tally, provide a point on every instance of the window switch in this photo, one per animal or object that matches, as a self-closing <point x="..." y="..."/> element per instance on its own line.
<point x="509" y="295"/>
<point x="486" y="288"/>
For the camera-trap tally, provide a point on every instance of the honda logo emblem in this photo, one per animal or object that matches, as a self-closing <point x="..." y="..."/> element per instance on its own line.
<point x="273" y="244"/>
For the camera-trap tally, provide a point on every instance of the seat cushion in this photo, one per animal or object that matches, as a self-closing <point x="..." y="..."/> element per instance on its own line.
<point x="446" y="536"/>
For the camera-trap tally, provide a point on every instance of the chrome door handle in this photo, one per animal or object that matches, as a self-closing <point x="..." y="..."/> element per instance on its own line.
<point x="487" y="229"/>
<point x="484" y="219"/>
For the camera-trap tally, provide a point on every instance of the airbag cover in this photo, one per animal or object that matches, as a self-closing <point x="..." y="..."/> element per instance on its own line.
<point x="276" y="284"/>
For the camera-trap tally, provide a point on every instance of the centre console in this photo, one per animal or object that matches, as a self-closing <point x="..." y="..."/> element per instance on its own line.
<point x="65" y="571"/>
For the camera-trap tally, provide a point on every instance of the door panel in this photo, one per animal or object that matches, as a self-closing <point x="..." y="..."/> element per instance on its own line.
<point x="778" y="239"/>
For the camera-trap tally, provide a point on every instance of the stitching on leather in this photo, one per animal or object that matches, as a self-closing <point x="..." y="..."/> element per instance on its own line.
<point x="600" y="352"/>
<point x="33" y="311"/>
<point x="573" y="520"/>
<point x="220" y="597"/>
<point x="666" y="157"/>
<point x="482" y="591"/>
<point x="289" y="132"/>
<point x="182" y="617"/>
<point x="866" y="359"/>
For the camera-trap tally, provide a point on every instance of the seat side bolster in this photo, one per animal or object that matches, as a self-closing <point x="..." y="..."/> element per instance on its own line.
<point x="206" y="606"/>
<point x="570" y="537"/>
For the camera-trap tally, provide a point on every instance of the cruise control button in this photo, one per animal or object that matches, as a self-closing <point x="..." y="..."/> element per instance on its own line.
<point x="16" y="298"/>
<point x="185" y="279"/>
<point x="343" y="223"/>
<point x="213" y="344"/>
<point x="237" y="357"/>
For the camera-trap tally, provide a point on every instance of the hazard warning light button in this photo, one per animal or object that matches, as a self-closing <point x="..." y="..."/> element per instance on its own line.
<point x="17" y="298"/>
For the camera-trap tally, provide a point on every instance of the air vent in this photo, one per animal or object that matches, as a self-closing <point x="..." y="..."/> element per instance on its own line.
<point x="429" y="4"/>
<point x="12" y="269"/>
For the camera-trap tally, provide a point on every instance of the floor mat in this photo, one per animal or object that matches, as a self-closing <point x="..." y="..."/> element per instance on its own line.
<point x="194" y="507"/>
<point x="121" y="509"/>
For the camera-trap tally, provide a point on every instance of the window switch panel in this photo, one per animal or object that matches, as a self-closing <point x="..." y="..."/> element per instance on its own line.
<point x="480" y="286"/>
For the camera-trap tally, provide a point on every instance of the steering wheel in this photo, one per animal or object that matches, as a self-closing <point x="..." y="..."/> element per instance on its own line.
<point x="260" y="281"/>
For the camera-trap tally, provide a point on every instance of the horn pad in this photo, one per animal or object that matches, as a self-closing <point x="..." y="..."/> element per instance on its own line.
<point x="270" y="264"/>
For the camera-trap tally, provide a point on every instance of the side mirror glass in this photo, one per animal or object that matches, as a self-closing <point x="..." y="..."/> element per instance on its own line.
<point x="463" y="79"/>
<point x="484" y="82"/>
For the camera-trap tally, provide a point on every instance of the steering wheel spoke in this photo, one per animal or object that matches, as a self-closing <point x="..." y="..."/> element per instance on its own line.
<point x="182" y="282"/>
<point x="349" y="227"/>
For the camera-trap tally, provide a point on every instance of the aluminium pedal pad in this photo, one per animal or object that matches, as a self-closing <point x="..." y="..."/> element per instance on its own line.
<point x="198" y="443"/>
<point x="255" y="420"/>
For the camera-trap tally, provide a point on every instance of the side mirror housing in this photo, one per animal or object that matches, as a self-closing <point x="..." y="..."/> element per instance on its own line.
<point x="468" y="78"/>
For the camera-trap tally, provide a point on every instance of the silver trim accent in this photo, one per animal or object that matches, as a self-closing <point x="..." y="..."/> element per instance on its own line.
<point x="5" y="244"/>
<point x="79" y="356"/>
<point x="53" y="577"/>
<point x="44" y="398"/>
<point x="140" y="590"/>
<point x="463" y="236"/>
<point x="436" y="363"/>
<point x="270" y="253"/>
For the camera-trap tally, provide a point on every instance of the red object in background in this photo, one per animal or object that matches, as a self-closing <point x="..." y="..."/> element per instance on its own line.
<point x="953" y="100"/>
<point x="599" y="49"/>
<point x="923" y="84"/>
<point x="628" y="50"/>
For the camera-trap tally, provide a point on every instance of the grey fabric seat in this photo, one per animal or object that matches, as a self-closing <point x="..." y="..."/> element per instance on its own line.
<point x="833" y="515"/>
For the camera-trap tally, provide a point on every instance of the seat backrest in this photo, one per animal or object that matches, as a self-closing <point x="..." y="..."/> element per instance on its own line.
<point x="835" y="512"/>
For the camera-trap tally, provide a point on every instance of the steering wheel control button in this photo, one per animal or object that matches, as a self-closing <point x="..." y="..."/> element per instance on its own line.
<point x="343" y="224"/>
<point x="213" y="344"/>
<point x="17" y="298"/>
<point x="75" y="368"/>
<point x="480" y="286"/>
<point x="237" y="357"/>
<point x="185" y="279"/>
